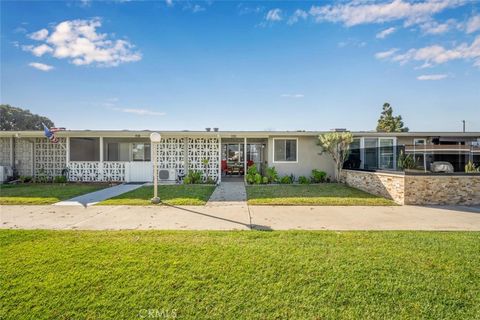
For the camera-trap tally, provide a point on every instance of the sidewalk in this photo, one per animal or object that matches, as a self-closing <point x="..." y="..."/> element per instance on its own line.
<point x="95" y="197"/>
<point x="239" y="217"/>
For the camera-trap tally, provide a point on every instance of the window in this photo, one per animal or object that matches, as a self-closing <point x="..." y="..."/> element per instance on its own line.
<point x="141" y="151"/>
<point x="419" y="142"/>
<point x="117" y="151"/>
<point x="284" y="150"/>
<point x="386" y="153"/>
<point x="371" y="153"/>
<point x="84" y="149"/>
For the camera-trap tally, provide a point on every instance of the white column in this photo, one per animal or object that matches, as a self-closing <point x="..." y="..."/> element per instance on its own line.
<point x="100" y="166"/>
<point x="245" y="158"/>
<point x="67" y="156"/>
<point x="220" y="159"/>
<point x="12" y="160"/>
<point x="362" y="153"/>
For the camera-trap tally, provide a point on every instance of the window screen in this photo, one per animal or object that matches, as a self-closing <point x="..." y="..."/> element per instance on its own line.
<point x="285" y="150"/>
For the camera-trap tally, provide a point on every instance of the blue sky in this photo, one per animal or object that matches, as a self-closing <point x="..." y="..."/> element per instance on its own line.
<point x="170" y="65"/>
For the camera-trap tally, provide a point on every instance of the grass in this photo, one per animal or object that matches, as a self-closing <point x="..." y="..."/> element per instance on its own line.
<point x="189" y="194"/>
<point x="38" y="194"/>
<point x="326" y="194"/>
<point x="239" y="275"/>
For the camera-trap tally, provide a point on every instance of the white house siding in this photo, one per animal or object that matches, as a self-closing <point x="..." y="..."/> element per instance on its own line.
<point x="308" y="158"/>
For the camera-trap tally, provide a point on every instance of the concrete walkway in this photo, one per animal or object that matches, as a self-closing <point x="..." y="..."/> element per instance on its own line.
<point x="229" y="193"/>
<point x="97" y="196"/>
<point x="240" y="217"/>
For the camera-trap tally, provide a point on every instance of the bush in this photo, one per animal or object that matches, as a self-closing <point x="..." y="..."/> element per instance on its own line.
<point x="318" y="176"/>
<point x="60" y="179"/>
<point x="25" y="179"/>
<point x="272" y="174"/>
<point x="193" y="177"/>
<point x="471" y="168"/>
<point x="286" y="180"/>
<point x="265" y="180"/>
<point x="251" y="174"/>
<point x="258" y="178"/>
<point x="303" y="180"/>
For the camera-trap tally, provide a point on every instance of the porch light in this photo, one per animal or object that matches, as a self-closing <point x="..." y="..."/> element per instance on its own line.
<point x="155" y="138"/>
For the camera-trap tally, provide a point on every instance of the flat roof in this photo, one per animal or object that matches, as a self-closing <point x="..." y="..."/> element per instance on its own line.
<point x="228" y="134"/>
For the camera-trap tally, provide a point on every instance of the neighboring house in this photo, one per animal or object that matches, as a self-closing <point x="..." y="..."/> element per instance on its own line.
<point x="127" y="155"/>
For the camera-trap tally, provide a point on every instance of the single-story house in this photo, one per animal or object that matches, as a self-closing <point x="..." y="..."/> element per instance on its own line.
<point x="123" y="155"/>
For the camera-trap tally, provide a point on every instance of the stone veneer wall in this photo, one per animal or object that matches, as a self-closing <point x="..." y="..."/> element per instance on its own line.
<point x="388" y="185"/>
<point x="417" y="189"/>
<point x="442" y="189"/>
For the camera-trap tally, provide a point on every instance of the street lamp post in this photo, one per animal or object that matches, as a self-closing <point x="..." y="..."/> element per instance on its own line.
<point x="155" y="138"/>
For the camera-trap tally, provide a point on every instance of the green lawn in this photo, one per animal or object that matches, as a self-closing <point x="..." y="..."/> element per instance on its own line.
<point x="27" y="194"/>
<point x="189" y="194"/>
<point x="325" y="194"/>
<point x="239" y="275"/>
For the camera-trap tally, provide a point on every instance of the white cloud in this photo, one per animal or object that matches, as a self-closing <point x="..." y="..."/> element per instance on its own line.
<point x="385" y="54"/>
<point x="40" y="66"/>
<point x="140" y="112"/>
<point x="78" y="41"/>
<point x="385" y="33"/>
<point x="40" y="50"/>
<point x="361" y="12"/>
<point x="294" y="96"/>
<point x="274" y="15"/>
<point x="41" y="34"/>
<point x="473" y="24"/>
<point x="436" y="54"/>
<point x="194" y="8"/>
<point x="169" y="2"/>
<point x="297" y="15"/>
<point x="427" y="77"/>
<point x="433" y="27"/>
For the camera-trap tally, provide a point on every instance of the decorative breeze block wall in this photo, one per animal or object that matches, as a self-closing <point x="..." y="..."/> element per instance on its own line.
<point x="171" y="154"/>
<point x="50" y="158"/>
<point x="5" y="152"/>
<point x="199" y="149"/>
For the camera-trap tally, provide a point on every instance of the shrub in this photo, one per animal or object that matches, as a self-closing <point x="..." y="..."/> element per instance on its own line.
<point x="272" y="174"/>
<point x="258" y="178"/>
<point x="25" y="179"/>
<point x="405" y="161"/>
<point x="193" y="177"/>
<point x="41" y="177"/>
<point x="471" y="168"/>
<point x="303" y="180"/>
<point x="60" y="179"/>
<point x="318" y="176"/>
<point x="286" y="180"/>
<point x="210" y="180"/>
<point x="265" y="180"/>
<point x="251" y="174"/>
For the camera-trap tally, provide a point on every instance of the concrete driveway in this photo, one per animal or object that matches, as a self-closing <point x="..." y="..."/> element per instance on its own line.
<point x="239" y="216"/>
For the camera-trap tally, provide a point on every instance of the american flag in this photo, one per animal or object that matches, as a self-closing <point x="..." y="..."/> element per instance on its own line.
<point x="50" y="134"/>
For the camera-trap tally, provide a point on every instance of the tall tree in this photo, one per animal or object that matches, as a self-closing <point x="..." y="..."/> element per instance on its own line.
<point x="12" y="118"/>
<point x="388" y="122"/>
<point x="337" y="145"/>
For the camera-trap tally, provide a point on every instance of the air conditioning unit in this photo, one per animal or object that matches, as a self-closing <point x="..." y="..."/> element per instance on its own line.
<point x="5" y="173"/>
<point x="167" y="174"/>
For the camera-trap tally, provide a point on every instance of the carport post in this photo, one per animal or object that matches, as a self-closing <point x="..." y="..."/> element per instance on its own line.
<point x="155" y="140"/>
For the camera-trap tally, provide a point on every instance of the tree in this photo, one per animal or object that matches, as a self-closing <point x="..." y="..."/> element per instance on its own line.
<point x="336" y="144"/>
<point x="389" y="123"/>
<point x="12" y="118"/>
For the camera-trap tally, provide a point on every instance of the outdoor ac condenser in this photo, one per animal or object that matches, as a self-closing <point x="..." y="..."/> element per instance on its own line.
<point x="5" y="172"/>
<point x="167" y="174"/>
